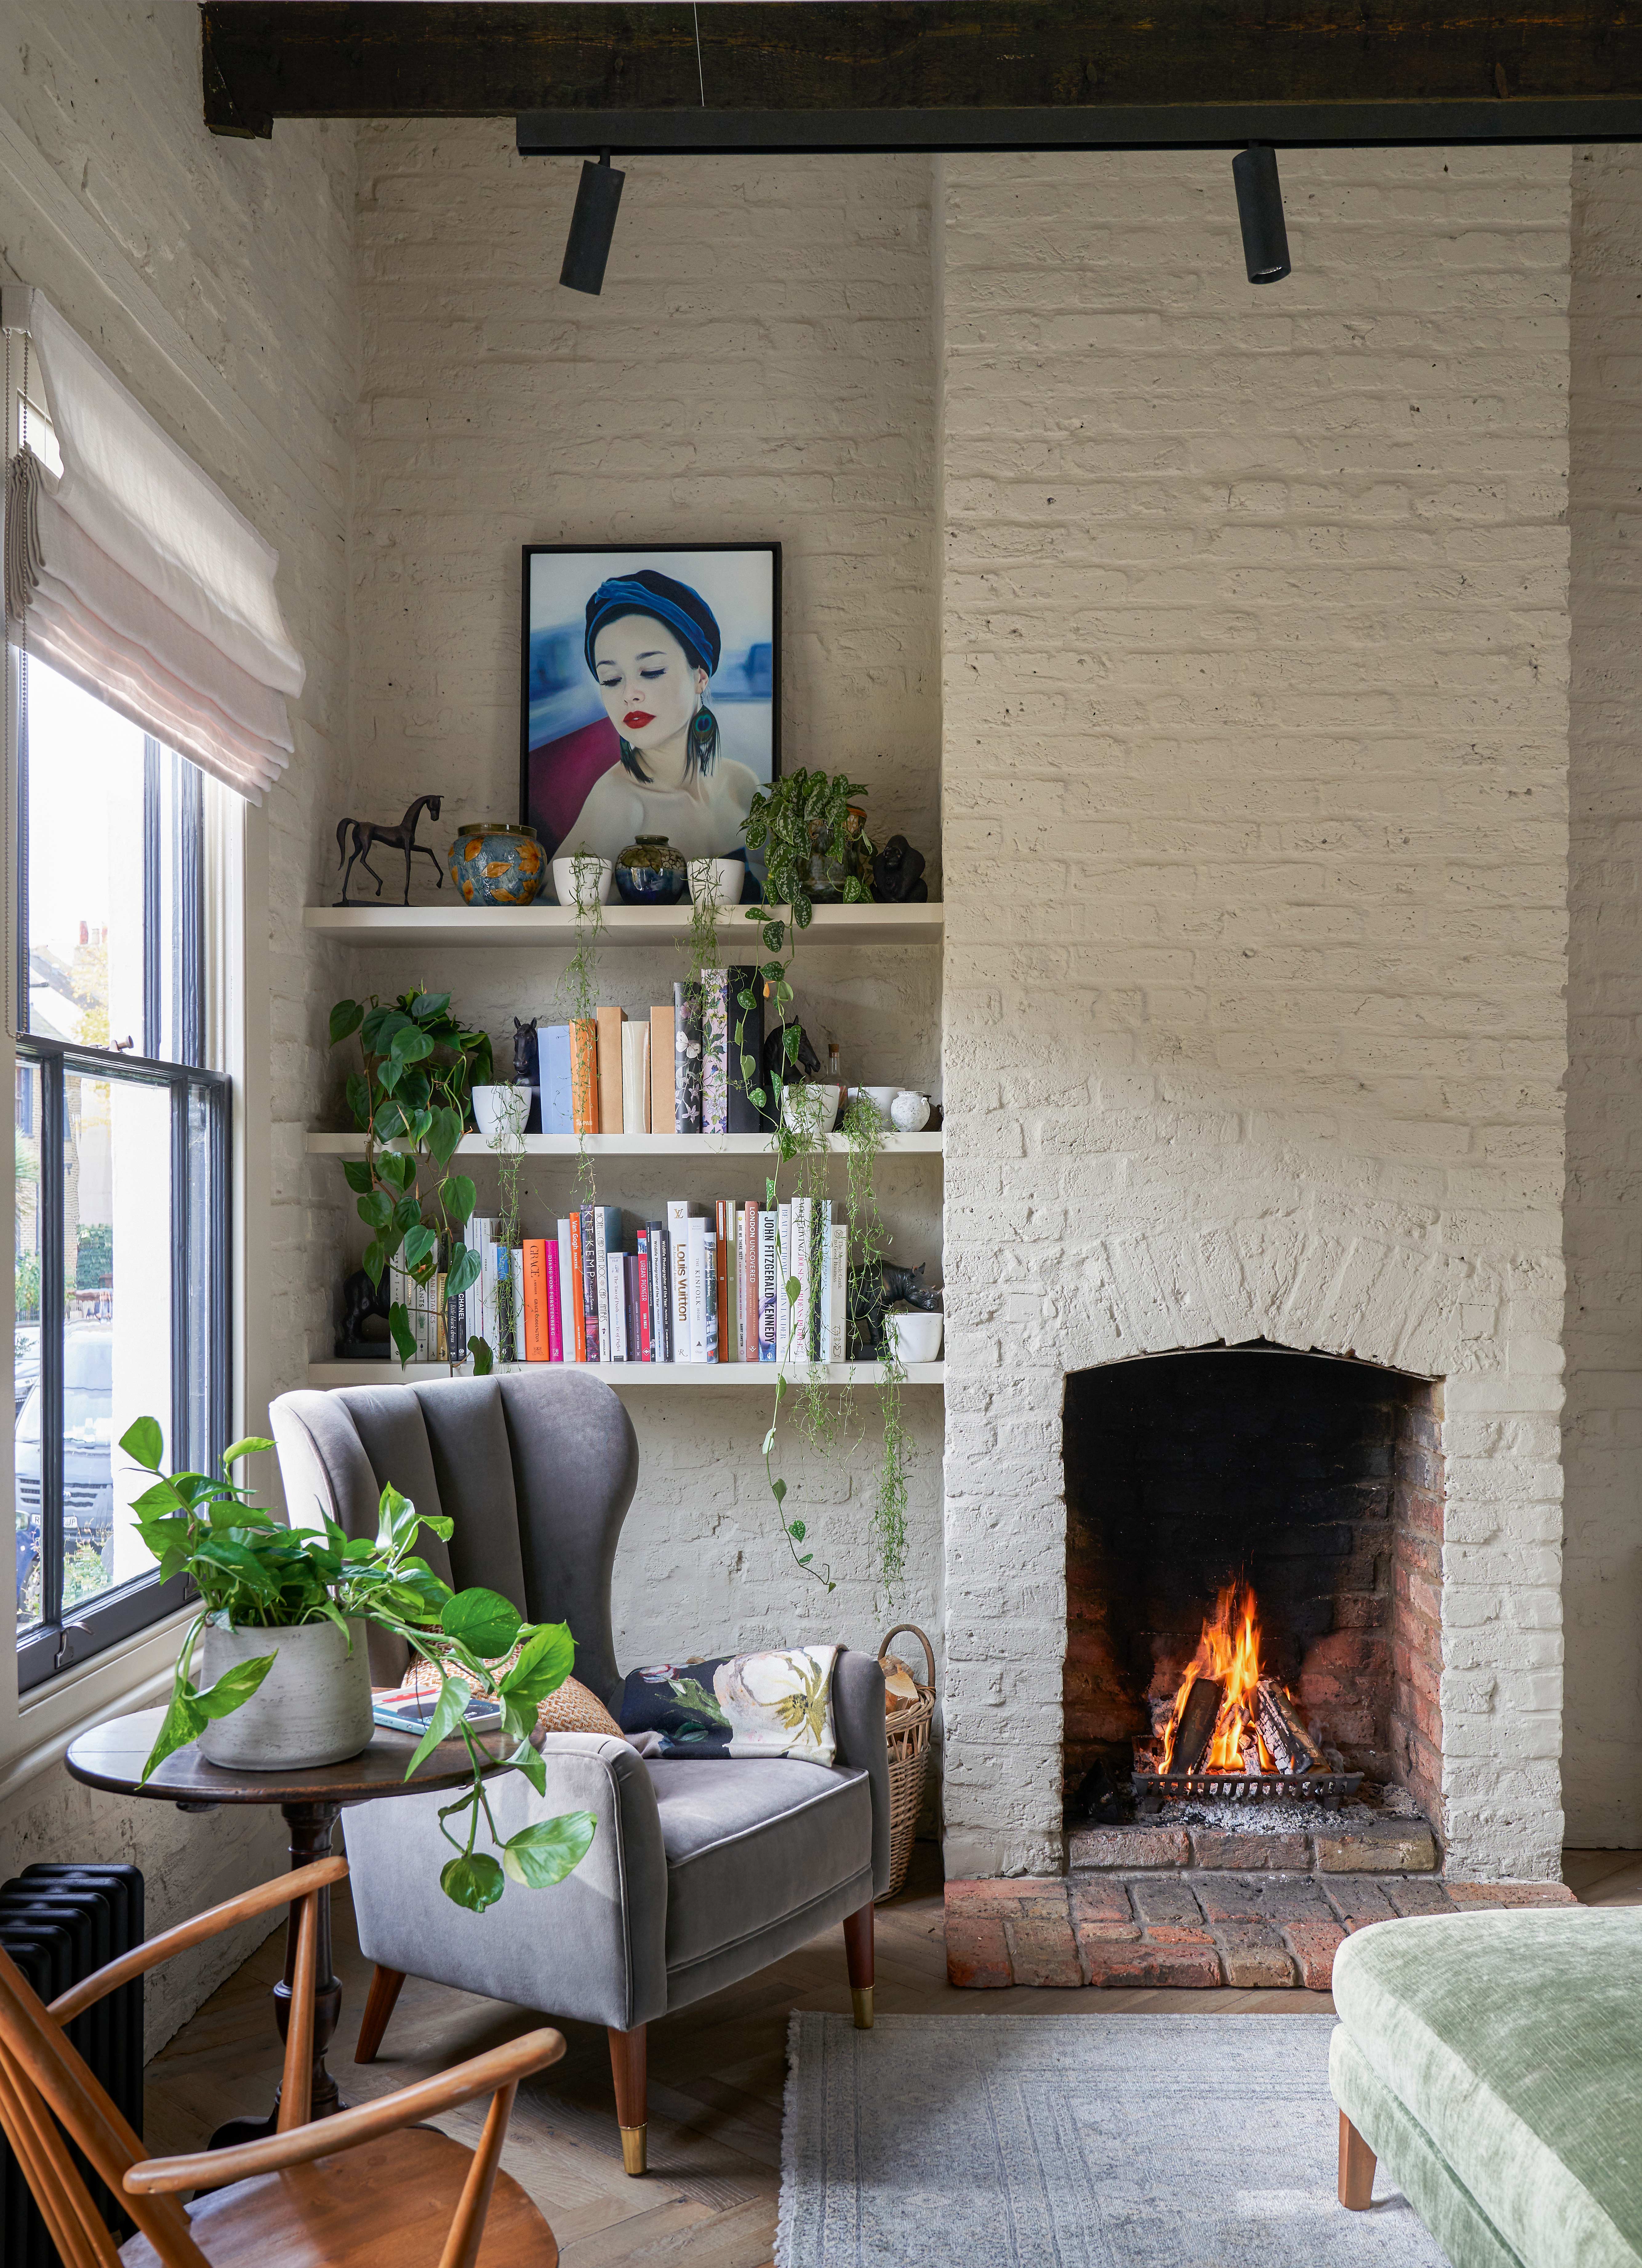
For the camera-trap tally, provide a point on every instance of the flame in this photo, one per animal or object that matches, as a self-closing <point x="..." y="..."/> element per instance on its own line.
<point x="1228" y="1649"/>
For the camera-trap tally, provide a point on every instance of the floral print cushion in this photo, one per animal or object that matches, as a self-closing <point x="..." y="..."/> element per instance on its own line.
<point x="736" y="1705"/>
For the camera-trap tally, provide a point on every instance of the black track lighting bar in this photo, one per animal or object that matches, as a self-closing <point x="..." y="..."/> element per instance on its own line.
<point x="1186" y="126"/>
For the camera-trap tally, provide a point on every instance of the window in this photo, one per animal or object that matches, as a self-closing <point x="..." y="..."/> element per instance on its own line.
<point x="122" y="1149"/>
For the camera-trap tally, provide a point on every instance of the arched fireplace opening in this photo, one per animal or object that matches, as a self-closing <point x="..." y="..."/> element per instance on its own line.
<point x="1313" y="1483"/>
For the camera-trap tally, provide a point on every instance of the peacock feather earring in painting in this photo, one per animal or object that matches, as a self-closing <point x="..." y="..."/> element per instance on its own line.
<point x="704" y="738"/>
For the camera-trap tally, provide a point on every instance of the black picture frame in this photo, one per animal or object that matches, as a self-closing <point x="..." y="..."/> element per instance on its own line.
<point x="536" y="802"/>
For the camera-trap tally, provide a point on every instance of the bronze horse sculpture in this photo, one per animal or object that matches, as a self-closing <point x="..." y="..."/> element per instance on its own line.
<point x="403" y="838"/>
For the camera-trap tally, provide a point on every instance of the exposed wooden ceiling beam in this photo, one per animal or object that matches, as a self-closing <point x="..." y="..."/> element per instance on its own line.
<point x="938" y="74"/>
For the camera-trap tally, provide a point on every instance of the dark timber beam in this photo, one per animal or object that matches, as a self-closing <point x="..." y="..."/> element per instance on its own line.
<point x="939" y="74"/>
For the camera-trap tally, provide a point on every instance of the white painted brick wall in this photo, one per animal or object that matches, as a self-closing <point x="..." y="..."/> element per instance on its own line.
<point x="760" y="365"/>
<point x="1602" y="1422"/>
<point x="249" y="247"/>
<point x="1255" y="648"/>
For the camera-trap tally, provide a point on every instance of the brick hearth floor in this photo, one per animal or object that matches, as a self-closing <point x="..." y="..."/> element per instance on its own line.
<point x="1210" y="1908"/>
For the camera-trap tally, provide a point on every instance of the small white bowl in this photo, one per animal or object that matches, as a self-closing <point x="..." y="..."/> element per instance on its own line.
<point x="814" y="1105"/>
<point x="564" y="880"/>
<point x="494" y="1106"/>
<point x="725" y="876"/>
<point x="916" y="1337"/>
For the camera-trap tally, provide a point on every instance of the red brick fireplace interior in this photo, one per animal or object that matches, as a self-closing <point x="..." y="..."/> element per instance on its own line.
<point x="1316" y="1481"/>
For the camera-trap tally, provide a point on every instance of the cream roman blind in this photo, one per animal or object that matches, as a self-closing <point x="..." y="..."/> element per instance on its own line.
<point x="132" y="573"/>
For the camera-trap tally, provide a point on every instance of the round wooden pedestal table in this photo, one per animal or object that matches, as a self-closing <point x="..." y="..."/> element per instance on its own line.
<point x="113" y="1755"/>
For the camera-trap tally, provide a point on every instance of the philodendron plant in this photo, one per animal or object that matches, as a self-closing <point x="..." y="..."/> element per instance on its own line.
<point x="254" y="1573"/>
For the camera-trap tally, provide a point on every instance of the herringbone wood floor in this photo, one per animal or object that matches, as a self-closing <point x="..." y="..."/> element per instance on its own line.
<point x="717" y="2072"/>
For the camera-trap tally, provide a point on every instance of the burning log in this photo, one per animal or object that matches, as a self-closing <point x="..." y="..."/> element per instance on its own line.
<point x="1288" y="1744"/>
<point x="1195" y="1730"/>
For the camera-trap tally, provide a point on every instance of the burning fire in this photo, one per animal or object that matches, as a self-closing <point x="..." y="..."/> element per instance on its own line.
<point x="1228" y="1651"/>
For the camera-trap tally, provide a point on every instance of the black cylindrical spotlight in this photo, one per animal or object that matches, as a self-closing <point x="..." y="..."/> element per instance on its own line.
<point x="592" y="224"/>
<point x="1260" y="209"/>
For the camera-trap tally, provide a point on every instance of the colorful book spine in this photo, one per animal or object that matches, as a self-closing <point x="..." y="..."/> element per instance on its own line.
<point x="555" y="1311"/>
<point x="578" y="1296"/>
<point x="802" y="1344"/>
<point x="679" y="1275"/>
<point x="570" y="1304"/>
<point x="714" y="1051"/>
<point x="660" y="1291"/>
<point x="516" y="1318"/>
<point x="687" y="1057"/>
<point x="663" y="1071"/>
<point x="722" y="1211"/>
<point x="615" y="1334"/>
<point x="641" y="1240"/>
<point x="695" y="1289"/>
<point x="837" y="1346"/>
<point x="709" y="1295"/>
<point x="533" y="1276"/>
<point x="632" y="1269"/>
<point x="769" y="1289"/>
<point x="558" y="1108"/>
<point x="609" y="1022"/>
<point x="590" y="1285"/>
<point x="746" y="1039"/>
<point x="784" y="1277"/>
<point x="746" y="1259"/>
<point x="583" y="1076"/>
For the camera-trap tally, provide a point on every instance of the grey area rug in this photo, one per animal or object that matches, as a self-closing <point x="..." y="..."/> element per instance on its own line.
<point x="1073" y="2142"/>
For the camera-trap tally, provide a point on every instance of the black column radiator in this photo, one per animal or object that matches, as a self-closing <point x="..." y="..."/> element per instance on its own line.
<point x="59" y="1923"/>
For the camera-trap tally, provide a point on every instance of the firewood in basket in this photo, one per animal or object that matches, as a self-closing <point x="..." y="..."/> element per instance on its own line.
<point x="1291" y="1747"/>
<point x="1196" y="1724"/>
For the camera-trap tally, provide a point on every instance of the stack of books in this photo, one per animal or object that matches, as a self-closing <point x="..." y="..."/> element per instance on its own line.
<point x="678" y="1072"/>
<point x="692" y="1287"/>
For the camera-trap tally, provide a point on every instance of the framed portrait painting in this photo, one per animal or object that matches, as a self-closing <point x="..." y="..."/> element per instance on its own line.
<point x="650" y="699"/>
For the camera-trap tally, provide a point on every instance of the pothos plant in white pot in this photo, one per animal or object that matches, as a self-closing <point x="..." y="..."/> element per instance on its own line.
<point x="283" y="1621"/>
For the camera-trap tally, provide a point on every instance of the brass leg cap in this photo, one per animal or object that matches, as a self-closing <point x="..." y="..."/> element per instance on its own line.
<point x="633" y="2142"/>
<point x="862" y="1996"/>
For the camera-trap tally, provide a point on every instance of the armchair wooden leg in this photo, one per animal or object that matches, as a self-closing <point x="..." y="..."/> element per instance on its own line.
<point x="628" y="2070"/>
<point x="379" y="2006"/>
<point x="857" y="1946"/>
<point x="1357" y="2168"/>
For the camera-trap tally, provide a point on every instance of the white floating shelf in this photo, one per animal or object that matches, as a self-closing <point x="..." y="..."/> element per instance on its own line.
<point x="638" y="1145"/>
<point x="624" y="925"/>
<point x="701" y="1375"/>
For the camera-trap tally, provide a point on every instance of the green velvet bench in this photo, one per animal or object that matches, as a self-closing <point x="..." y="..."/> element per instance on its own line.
<point x="1493" y="2062"/>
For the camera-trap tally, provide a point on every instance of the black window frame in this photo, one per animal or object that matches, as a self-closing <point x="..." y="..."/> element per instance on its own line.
<point x="201" y="1326"/>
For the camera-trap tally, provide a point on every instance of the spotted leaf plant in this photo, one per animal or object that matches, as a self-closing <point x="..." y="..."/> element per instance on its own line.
<point x="252" y="1572"/>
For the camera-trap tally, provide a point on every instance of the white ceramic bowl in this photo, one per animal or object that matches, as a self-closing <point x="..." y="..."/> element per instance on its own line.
<point x="725" y="876"/>
<point x="815" y="1104"/>
<point x="917" y="1337"/>
<point x="492" y="1105"/>
<point x="564" y="880"/>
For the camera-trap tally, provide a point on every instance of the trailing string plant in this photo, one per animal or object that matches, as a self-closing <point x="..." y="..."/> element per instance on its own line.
<point x="581" y="997"/>
<point x="703" y="942"/>
<point x="412" y="1099"/>
<point x="863" y="1130"/>
<point x="804" y="825"/>
<point x="506" y="1145"/>
<point x="252" y="1574"/>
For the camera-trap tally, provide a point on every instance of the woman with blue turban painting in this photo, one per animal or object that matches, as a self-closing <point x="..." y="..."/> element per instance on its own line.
<point x="652" y="645"/>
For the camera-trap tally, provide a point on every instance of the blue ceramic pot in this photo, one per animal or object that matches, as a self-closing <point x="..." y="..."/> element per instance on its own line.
<point x="498" y="865"/>
<point x="651" y="873"/>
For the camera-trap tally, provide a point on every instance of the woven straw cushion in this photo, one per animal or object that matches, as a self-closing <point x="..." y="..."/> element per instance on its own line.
<point x="572" y="1709"/>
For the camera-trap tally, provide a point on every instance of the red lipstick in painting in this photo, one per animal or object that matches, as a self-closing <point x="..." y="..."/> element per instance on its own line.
<point x="636" y="719"/>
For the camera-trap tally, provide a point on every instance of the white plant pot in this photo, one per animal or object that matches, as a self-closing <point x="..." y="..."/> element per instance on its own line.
<point x="499" y="1111"/>
<point x="725" y="876"/>
<point x="812" y="1108"/>
<point x="916" y="1339"/>
<point x="314" y="1707"/>
<point x="564" y="882"/>
<point x="881" y="1098"/>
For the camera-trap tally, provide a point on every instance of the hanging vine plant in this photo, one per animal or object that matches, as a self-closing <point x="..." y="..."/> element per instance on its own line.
<point x="809" y="833"/>
<point x="581" y="999"/>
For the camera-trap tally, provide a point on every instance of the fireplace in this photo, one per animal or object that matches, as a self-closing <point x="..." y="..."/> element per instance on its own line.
<point x="1298" y="1492"/>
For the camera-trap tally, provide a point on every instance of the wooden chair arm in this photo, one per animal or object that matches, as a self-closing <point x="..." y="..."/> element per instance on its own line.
<point x="500" y="2068"/>
<point x="113" y="1974"/>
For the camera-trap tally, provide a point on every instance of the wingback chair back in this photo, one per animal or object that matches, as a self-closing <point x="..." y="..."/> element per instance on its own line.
<point x="536" y="1468"/>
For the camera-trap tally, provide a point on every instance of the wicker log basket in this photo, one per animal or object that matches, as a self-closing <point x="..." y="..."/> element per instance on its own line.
<point x="907" y="1733"/>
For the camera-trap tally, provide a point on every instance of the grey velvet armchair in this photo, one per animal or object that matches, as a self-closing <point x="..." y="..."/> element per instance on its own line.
<point x="700" y="1871"/>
